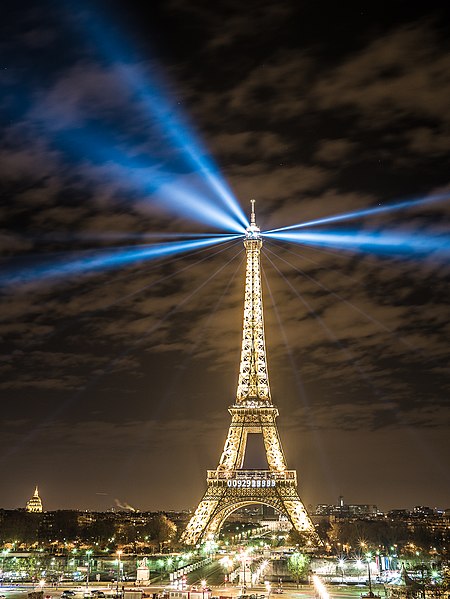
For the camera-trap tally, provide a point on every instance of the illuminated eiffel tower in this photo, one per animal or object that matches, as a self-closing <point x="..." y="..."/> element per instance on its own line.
<point x="229" y="487"/>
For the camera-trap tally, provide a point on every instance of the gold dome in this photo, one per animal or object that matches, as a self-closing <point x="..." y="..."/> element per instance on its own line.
<point x="34" y="504"/>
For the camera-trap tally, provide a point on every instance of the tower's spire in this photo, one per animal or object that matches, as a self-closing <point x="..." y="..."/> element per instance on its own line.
<point x="253" y="384"/>
<point x="253" y="231"/>
<point x="252" y="217"/>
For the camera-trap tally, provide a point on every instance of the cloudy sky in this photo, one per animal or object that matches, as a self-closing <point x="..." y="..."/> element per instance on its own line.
<point x="115" y="382"/>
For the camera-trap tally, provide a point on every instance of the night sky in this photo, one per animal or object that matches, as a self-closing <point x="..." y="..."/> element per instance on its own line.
<point x="115" y="382"/>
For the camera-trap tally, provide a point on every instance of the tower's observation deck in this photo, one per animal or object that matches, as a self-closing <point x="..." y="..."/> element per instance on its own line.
<point x="229" y="486"/>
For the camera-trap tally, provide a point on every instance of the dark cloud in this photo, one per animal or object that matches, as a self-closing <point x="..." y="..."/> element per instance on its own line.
<point x="333" y="150"/>
<point x="399" y="75"/>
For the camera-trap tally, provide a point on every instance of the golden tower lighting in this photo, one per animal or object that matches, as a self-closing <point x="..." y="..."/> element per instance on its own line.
<point x="229" y="487"/>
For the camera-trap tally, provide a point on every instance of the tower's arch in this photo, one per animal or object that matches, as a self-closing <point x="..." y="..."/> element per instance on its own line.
<point x="228" y="510"/>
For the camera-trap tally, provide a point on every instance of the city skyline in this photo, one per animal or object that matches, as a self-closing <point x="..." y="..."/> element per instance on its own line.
<point x="115" y="382"/>
<point x="35" y="505"/>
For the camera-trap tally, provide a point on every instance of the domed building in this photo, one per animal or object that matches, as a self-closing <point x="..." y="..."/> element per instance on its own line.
<point x="34" y="504"/>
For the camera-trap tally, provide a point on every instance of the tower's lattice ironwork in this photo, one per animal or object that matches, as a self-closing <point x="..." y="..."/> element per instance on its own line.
<point x="229" y="487"/>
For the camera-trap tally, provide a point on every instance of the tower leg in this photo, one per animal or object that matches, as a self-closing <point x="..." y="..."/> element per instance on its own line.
<point x="298" y="515"/>
<point x="234" y="451"/>
<point x="272" y="445"/>
<point x="198" y="524"/>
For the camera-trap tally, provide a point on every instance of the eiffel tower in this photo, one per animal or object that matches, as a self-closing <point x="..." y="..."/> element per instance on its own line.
<point x="229" y="487"/>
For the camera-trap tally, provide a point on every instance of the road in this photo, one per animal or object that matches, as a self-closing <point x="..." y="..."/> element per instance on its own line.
<point x="214" y="575"/>
<point x="290" y="591"/>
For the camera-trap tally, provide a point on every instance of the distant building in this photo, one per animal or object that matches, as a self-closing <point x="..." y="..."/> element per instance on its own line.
<point x="282" y="524"/>
<point x="346" y="510"/>
<point x="398" y="514"/>
<point x="34" y="505"/>
<point x="422" y="511"/>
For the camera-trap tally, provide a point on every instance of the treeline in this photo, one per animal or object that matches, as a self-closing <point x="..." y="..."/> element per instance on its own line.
<point x="70" y="525"/>
<point x="358" y="535"/>
<point x="387" y="533"/>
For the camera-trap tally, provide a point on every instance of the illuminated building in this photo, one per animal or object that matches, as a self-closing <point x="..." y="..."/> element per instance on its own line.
<point x="229" y="487"/>
<point x="346" y="510"/>
<point x="34" y="504"/>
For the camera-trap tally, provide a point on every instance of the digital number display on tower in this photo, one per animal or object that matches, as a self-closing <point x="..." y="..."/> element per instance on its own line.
<point x="251" y="482"/>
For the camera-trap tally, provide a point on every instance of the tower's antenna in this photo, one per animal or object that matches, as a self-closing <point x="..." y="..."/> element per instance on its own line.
<point x="252" y="231"/>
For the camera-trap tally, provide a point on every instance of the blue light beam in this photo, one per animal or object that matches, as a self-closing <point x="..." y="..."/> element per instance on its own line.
<point x="366" y="212"/>
<point x="169" y="190"/>
<point x="375" y="242"/>
<point x="163" y="112"/>
<point x="106" y="260"/>
<point x="116" y="236"/>
<point x="186" y="200"/>
<point x="183" y="138"/>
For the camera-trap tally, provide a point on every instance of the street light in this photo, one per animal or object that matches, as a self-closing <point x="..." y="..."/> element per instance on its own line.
<point x="360" y="567"/>
<point x="88" y="553"/>
<point x="161" y="566"/>
<point x="4" y="553"/>
<point x="319" y="588"/>
<point x="341" y="564"/>
<point x="119" y="553"/>
<point x="226" y="564"/>
<point x="369" y="559"/>
<point x="243" y="558"/>
<point x="422" y="570"/>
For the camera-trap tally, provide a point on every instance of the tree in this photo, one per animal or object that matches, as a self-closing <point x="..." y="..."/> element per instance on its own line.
<point x="301" y="539"/>
<point x="19" y="525"/>
<point x="100" y="529"/>
<point x="160" y="529"/>
<point x="298" y="565"/>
